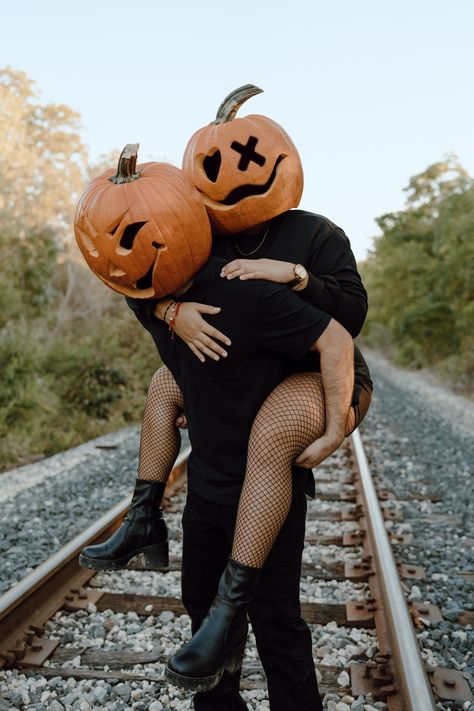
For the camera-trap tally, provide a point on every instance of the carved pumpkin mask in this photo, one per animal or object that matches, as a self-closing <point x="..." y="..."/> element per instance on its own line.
<point x="247" y="170"/>
<point x="144" y="230"/>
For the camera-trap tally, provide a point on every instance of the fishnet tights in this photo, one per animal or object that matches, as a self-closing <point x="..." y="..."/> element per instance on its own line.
<point x="290" y="419"/>
<point x="160" y="439"/>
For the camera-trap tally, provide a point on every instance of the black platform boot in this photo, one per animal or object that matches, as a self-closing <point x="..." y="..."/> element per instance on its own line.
<point x="219" y="643"/>
<point x="223" y="697"/>
<point x="143" y="531"/>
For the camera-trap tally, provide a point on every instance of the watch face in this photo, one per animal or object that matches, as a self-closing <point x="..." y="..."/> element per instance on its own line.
<point x="300" y="271"/>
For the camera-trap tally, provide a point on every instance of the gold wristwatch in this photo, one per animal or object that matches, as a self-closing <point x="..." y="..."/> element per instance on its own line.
<point x="300" y="275"/>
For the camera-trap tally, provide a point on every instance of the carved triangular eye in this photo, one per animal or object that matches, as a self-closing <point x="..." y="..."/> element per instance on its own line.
<point x="211" y="165"/>
<point x="129" y="234"/>
<point x="88" y="243"/>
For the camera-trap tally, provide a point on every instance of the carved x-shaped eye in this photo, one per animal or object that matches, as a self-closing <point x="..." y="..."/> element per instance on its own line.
<point x="248" y="154"/>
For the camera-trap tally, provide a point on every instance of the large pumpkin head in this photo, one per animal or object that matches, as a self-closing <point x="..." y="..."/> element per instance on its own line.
<point x="247" y="169"/>
<point x="143" y="230"/>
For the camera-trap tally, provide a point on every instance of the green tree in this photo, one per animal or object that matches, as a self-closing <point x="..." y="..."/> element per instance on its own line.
<point x="44" y="162"/>
<point x="419" y="273"/>
<point x="74" y="362"/>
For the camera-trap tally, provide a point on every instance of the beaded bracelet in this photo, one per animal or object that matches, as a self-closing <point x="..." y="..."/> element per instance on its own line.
<point x="167" y="309"/>
<point x="175" y="311"/>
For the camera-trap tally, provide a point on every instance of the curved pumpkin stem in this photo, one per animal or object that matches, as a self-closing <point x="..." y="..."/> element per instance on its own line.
<point x="233" y="102"/>
<point x="126" y="169"/>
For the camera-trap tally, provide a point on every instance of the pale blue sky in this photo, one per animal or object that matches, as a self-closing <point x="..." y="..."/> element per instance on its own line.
<point x="370" y="91"/>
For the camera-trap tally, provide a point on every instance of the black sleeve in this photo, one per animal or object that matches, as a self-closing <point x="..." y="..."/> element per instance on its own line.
<point x="285" y="323"/>
<point x="143" y="309"/>
<point x="334" y="283"/>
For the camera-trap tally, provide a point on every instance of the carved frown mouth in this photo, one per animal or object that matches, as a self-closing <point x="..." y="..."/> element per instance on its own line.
<point x="244" y="191"/>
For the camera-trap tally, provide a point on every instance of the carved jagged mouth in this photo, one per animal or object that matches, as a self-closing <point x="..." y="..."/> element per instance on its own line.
<point x="145" y="282"/>
<point x="243" y="191"/>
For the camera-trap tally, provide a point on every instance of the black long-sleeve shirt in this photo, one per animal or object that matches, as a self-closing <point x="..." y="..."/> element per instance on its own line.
<point x="312" y="240"/>
<point x="334" y="284"/>
<point x="302" y="237"/>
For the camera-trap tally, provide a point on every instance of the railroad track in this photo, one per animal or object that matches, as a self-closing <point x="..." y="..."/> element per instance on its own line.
<point x="395" y="674"/>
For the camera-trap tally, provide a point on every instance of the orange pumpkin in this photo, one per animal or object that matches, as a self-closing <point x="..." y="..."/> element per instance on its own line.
<point x="143" y="230"/>
<point x="247" y="170"/>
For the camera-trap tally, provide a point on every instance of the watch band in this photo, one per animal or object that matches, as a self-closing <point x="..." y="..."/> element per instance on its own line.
<point x="297" y="280"/>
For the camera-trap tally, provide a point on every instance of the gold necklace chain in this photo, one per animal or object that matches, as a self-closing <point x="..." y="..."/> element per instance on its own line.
<point x="247" y="254"/>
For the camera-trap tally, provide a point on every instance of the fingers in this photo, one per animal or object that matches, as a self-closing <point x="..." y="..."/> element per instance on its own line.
<point x="243" y="269"/>
<point x="206" y="309"/>
<point x="196" y="352"/>
<point x="309" y="457"/>
<point x="251" y="275"/>
<point x="214" y="333"/>
<point x="206" y="346"/>
<point x="233" y="274"/>
<point x="235" y="268"/>
<point x="211" y="331"/>
<point x="182" y="422"/>
<point x="304" y="460"/>
<point x="206" y="350"/>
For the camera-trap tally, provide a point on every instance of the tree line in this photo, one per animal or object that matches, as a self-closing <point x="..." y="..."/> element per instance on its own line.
<point x="419" y="276"/>
<point x="74" y="362"/>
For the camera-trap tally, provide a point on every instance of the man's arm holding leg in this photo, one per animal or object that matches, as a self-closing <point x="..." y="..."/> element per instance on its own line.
<point x="336" y="352"/>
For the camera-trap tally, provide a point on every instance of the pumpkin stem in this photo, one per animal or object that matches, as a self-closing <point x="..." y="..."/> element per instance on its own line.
<point x="233" y="102"/>
<point x="126" y="169"/>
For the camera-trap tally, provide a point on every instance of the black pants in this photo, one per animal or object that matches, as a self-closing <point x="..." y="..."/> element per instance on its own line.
<point x="282" y="636"/>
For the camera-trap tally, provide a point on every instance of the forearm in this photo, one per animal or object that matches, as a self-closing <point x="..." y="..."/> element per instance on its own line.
<point x="336" y="351"/>
<point x="345" y="302"/>
<point x="161" y="308"/>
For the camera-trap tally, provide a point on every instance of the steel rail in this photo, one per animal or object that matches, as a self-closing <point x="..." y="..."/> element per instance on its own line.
<point x="412" y="682"/>
<point x="37" y="596"/>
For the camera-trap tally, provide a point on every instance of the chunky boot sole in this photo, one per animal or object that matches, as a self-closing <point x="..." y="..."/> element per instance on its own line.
<point x="154" y="557"/>
<point x="204" y="683"/>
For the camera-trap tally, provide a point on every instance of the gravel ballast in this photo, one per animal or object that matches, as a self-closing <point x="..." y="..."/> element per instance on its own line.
<point x="418" y="440"/>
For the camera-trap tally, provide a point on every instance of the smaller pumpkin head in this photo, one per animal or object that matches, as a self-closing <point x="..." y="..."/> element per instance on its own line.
<point x="143" y="230"/>
<point x="247" y="169"/>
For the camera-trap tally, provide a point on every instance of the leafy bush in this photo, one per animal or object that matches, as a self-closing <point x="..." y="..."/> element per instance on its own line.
<point x="70" y="371"/>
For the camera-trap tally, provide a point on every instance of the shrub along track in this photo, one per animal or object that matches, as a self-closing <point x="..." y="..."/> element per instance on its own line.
<point x="394" y="674"/>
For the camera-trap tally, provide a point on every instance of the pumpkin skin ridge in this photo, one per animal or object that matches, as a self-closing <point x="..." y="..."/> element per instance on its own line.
<point x="193" y="203"/>
<point x="173" y="212"/>
<point x="184" y="275"/>
<point x="93" y="220"/>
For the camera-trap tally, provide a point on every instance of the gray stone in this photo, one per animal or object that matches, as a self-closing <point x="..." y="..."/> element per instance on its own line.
<point x="124" y="691"/>
<point x="166" y="616"/>
<point x="101" y="694"/>
<point x="55" y="706"/>
<point x="69" y="699"/>
<point x="134" y="628"/>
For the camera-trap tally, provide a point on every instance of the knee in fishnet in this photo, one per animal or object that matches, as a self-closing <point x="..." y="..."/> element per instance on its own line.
<point x="291" y="418"/>
<point x="160" y="439"/>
